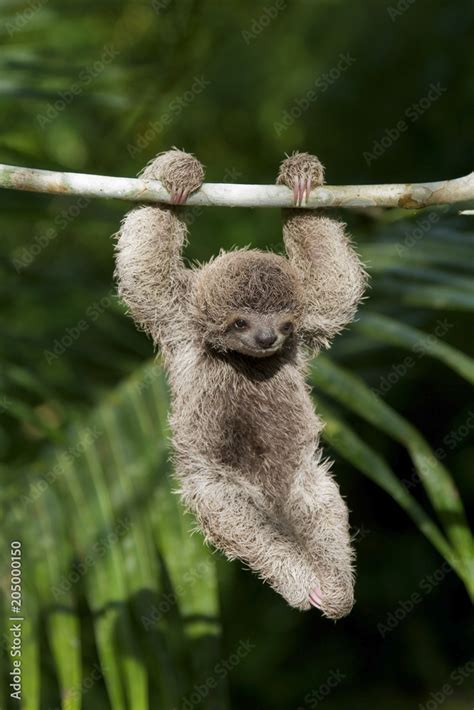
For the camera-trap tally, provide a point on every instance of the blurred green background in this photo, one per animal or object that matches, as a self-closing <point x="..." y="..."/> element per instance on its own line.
<point x="122" y="607"/>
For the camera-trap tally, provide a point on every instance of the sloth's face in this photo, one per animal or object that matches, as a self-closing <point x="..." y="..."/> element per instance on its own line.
<point x="257" y="334"/>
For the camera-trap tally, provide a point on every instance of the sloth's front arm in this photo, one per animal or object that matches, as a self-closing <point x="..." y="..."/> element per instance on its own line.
<point x="152" y="279"/>
<point x="319" y="248"/>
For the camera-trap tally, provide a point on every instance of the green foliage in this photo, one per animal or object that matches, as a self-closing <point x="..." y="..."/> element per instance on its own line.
<point x="112" y="565"/>
<point x="100" y="87"/>
<point x="118" y="590"/>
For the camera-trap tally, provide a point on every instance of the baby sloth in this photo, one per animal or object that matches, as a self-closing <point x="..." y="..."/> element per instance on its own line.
<point x="236" y="334"/>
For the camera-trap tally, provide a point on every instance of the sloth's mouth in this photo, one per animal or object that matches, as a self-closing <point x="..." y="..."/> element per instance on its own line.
<point x="266" y="352"/>
<point x="259" y="352"/>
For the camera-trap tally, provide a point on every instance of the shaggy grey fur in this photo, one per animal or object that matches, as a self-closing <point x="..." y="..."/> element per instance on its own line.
<point x="245" y="436"/>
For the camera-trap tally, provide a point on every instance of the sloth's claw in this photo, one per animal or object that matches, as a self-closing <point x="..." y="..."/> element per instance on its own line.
<point x="179" y="196"/>
<point x="315" y="598"/>
<point x="301" y="190"/>
<point x="301" y="172"/>
<point x="298" y="191"/>
<point x="295" y="192"/>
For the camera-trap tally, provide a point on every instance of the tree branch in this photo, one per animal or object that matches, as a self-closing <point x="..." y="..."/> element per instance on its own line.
<point x="408" y="196"/>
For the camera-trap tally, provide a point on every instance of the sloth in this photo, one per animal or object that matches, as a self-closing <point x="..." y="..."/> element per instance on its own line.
<point x="236" y="335"/>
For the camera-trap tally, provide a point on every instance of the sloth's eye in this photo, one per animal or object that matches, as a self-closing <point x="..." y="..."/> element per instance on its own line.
<point x="287" y="327"/>
<point x="240" y="324"/>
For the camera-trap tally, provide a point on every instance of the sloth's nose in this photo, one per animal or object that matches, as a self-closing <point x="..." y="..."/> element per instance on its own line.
<point x="265" y="338"/>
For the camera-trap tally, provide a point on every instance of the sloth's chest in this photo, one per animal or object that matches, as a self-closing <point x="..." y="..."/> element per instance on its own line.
<point x="262" y="427"/>
<point x="265" y="429"/>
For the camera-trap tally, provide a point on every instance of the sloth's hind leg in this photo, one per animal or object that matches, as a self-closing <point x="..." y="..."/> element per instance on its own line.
<point x="232" y="516"/>
<point x="319" y="516"/>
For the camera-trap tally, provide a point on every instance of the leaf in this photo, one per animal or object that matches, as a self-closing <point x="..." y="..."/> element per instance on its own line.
<point x="119" y="532"/>
<point x="391" y="331"/>
<point x="437" y="297"/>
<point x="432" y="276"/>
<point x="63" y="626"/>
<point x="444" y="496"/>
<point x="351" y="447"/>
<point x="424" y="254"/>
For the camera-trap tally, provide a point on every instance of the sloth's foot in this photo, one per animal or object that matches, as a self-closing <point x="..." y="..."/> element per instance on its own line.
<point x="335" y="599"/>
<point x="315" y="598"/>
<point x="301" y="172"/>
<point x="180" y="173"/>
<point x="294" y="576"/>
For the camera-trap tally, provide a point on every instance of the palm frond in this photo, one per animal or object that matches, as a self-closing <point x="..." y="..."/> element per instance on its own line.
<point x="354" y="394"/>
<point x="105" y="530"/>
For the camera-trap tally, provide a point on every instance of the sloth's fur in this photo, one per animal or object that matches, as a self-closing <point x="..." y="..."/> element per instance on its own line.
<point x="245" y="436"/>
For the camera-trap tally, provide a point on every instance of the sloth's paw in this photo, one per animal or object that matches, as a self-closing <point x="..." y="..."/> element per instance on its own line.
<point x="301" y="172"/>
<point x="334" y="600"/>
<point x="181" y="173"/>
<point x="315" y="598"/>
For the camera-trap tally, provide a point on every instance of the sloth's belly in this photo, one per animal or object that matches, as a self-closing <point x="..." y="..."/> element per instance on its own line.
<point x="267" y="437"/>
<point x="263" y="429"/>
